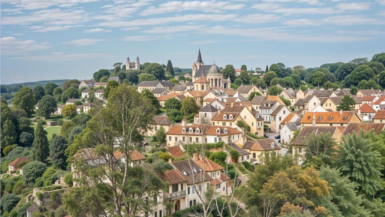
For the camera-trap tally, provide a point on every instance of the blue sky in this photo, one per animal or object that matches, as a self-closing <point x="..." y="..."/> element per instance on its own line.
<point x="64" y="39"/>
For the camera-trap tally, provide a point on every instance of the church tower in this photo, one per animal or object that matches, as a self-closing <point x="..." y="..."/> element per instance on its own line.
<point x="128" y="63"/>
<point x="137" y="63"/>
<point x="199" y="62"/>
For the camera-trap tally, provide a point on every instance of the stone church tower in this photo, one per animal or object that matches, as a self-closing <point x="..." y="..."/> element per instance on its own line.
<point x="197" y="64"/>
<point x="132" y="65"/>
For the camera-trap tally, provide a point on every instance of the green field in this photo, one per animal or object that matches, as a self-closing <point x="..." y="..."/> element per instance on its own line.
<point x="52" y="130"/>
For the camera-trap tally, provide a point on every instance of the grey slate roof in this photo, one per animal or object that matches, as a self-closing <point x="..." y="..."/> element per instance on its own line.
<point x="240" y="150"/>
<point x="257" y="100"/>
<point x="208" y="108"/>
<point x="308" y="130"/>
<point x="290" y="93"/>
<point x="190" y="84"/>
<point x="203" y="71"/>
<point x="279" y="108"/>
<point x="244" y="88"/>
<point x="158" y="90"/>
<point x="188" y="168"/>
<point x="267" y="104"/>
<point x="292" y="126"/>
<point x="167" y="83"/>
<point x="161" y="120"/>
<point x="148" y="83"/>
<point x="179" y="87"/>
<point x="300" y="102"/>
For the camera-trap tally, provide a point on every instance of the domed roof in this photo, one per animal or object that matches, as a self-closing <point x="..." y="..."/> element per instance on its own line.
<point x="213" y="70"/>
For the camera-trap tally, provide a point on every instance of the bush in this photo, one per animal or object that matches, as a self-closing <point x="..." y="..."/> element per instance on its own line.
<point x="42" y="122"/>
<point x="39" y="183"/>
<point x="7" y="150"/>
<point x="248" y="166"/>
<point x="161" y="166"/>
<point x="234" y="154"/>
<point x="231" y="174"/>
<point x="68" y="179"/>
<point x="22" y="212"/>
<point x="165" y="156"/>
<point x="193" y="210"/>
<point x="13" y="213"/>
<point x="60" y="211"/>
<point x="9" y="201"/>
<point x="60" y="122"/>
<point x="218" y="157"/>
<point x="32" y="171"/>
<point x="39" y="196"/>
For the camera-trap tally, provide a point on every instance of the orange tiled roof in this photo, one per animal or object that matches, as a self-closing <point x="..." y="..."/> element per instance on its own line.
<point x="365" y="108"/>
<point x="135" y="155"/>
<point x="367" y="98"/>
<point x="215" y="182"/>
<point x="380" y="114"/>
<point x="219" y="116"/>
<point x="208" y="100"/>
<point x="210" y="166"/>
<point x="327" y="117"/>
<point x="202" y="80"/>
<point x="382" y="98"/>
<point x="173" y="177"/>
<point x="212" y="130"/>
<point x="288" y="118"/>
<point x="17" y="161"/>
<point x="275" y="98"/>
<point x="168" y="96"/>
<point x="366" y="127"/>
<point x="196" y="93"/>
<point x="175" y="151"/>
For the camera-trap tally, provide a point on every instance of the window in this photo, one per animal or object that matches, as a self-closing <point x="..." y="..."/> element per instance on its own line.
<point x="196" y="139"/>
<point x="242" y="158"/>
<point x="191" y="203"/>
<point x="190" y="139"/>
<point x="200" y="187"/>
<point x="183" y="130"/>
<point x="331" y="125"/>
<point x="342" y="125"/>
<point x="224" y="117"/>
<point x="183" y="138"/>
<point x="218" y="131"/>
<point x="247" y="157"/>
<point x="195" y="202"/>
<point x="190" y="130"/>
<point x="213" y="175"/>
<point x="231" y="124"/>
<point x="160" y="213"/>
<point x="176" y="139"/>
<point x="188" y="190"/>
<point x="215" y="139"/>
<point x="223" y="123"/>
<point x="279" y="118"/>
<point x="283" y="111"/>
<point x="223" y="188"/>
<point x="300" y="150"/>
<point x="231" y="117"/>
<point x="225" y="131"/>
<point x="205" y="114"/>
<point x="254" y="155"/>
<point x="217" y="186"/>
<point x="208" y="186"/>
<point x="197" y="131"/>
<point x="193" y="190"/>
<point x="155" y="199"/>
<point x="219" y="139"/>
<point x="218" y="174"/>
<point x="156" y="128"/>
<point x="169" y="138"/>
<point x="252" y="124"/>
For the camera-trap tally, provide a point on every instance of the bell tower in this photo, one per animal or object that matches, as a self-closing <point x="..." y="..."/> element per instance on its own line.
<point x="128" y="63"/>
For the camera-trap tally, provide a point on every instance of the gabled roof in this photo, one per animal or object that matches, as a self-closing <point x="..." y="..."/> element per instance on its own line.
<point x="202" y="80"/>
<point x="261" y="145"/>
<point x="220" y="116"/>
<point x="203" y="71"/>
<point x="168" y="96"/>
<point x="275" y="98"/>
<point x="368" y="98"/>
<point x="158" y="90"/>
<point x="365" y="108"/>
<point x="258" y="100"/>
<point x="72" y="100"/>
<point x="161" y="120"/>
<point x="88" y="81"/>
<point x="291" y="93"/>
<point x="300" y="102"/>
<point x="208" y="108"/>
<point x="175" y="151"/>
<point x="134" y="155"/>
<point x="344" y="92"/>
<point x="368" y="92"/>
<point x="381" y="99"/>
<point x="288" y="118"/>
<point x="86" y="90"/>
<point x="180" y="87"/>
<point x="323" y="93"/>
<point x="337" y="100"/>
<point x="241" y="151"/>
<point x="366" y="127"/>
<point x="17" y="161"/>
<point x="210" y="165"/>
<point x="173" y="177"/>
<point x="380" y="114"/>
<point x="292" y="126"/>
<point x="167" y="83"/>
<point x="196" y="93"/>
<point x="245" y="88"/>
<point x="268" y="104"/>
<point x="148" y="83"/>
<point x="191" y="171"/>
<point x="277" y="110"/>
<point x="308" y="130"/>
<point x="328" y="117"/>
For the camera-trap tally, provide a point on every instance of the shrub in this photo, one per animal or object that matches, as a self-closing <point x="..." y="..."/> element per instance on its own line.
<point x="248" y="166"/>
<point x="13" y="213"/>
<point x="60" y="122"/>
<point x="7" y="150"/>
<point x="234" y="154"/>
<point x="60" y="211"/>
<point x="218" y="157"/>
<point x="32" y="171"/>
<point x="39" y="182"/>
<point x="165" y="156"/>
<point x="68" y="179"/>
<point x="231" y="174"/>
<point x="39" y="196"/>
<point x="9" y="201"/>
<point x="22" y="212"/>
<point x="42" y="122"/>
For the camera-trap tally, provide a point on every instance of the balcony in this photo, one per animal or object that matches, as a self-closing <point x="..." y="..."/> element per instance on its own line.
<point x="176" y="195"/>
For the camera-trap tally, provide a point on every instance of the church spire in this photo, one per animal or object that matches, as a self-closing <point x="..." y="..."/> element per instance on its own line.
<point x="199" y="60"/>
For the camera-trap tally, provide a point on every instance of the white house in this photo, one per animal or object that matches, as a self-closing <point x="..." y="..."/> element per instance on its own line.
<point x="287" y="132"/>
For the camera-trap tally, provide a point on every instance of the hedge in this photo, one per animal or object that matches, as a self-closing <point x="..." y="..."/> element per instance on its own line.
<point x="192" y="148"/>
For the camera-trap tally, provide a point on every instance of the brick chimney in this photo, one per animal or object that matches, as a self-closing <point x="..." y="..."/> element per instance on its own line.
<point x="184" y="122"/>
<point x="170" y="160"/>
<point x="313" y="120"/>
<point x="195" y="157"/>
<point x="341" y="112"/>
<point x="232" y="104"/>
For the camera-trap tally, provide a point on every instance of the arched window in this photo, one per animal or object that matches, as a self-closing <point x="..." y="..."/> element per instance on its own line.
<point x="190" y="130"/>
<point x="231" y="117"/>
<point x="224" y="117"/>
<point x="218" y="131"/>
<point x="197" y="131"/>
<point x="183" y="130"/>
<point x="225" y="131"/>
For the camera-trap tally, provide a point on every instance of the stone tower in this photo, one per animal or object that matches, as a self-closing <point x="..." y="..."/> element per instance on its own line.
<point x="128" y="63"/>
<point x="137" y="63"/>
<point x="197" y="64"/>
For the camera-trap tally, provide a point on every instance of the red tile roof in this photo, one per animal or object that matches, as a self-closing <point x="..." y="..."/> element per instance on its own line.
<point x="168" y="96"/>
<point x="17" y="161"/>
<point x="175" y="151"/>
<point x="202" y="80"/>
<point x="367" y="98"/>
<point x="380" y="114"/>
<point x="382" y="98"/>
<point x="366" y="127"/>
<point x="365" y="108"/>
<point x="135" y="155"/>
<point x="327" y="117"/>
<point x="173" y="177"/>
<point x="288" y="118"/>
<point x="210" y="166"/>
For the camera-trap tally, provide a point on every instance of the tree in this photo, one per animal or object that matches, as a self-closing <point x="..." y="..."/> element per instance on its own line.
<point x="253" y="94"/>
<point x="320" y="148"/>
<point x="376" y="67"/>
<point x="278" y="70"/>
<point x="360" y="163"/>
<point x="379" y="58"/>
<point x="103" y="79"/>
<point x="161" y="135"/>
<point x="261" y="84"/>
<point x="296" y="79"/>
<point x="174" y="115"/>
<point x="68" y="110"/>
<point x="74" y="131"/>
<point x="245" y="77"/>
<point x="81" y="119"/>
<point x="347" y="103"/>
<point x="24" y="99"/>
<point x="154" y="101"/>
<point x="132" y="77"/>
<point x="147" y="77"/>
<point x="364" y="85"/>
<point x="189" y="106"/>
<point x="169" y="68"/>
<point x="110" y="85"/>
<point x="70" y="83"/>
<point x="70" y="93"/>
<point x="316" y="78"/>
<point x="101" y="73"/>
<point x="267" y="69"/>
<point x="8" y="128"/>
<point x="47" y="106"/>
<point x="57" y="148"/>
<point x="359" y="61"/>
<point x="274" y="91"/>
<point x="173" y="103"/>
<point x="382" y="79"/>
<point x="26" y="139"/>
<point x="40" y="150"/>
<point x="269" y="76"/>
<point x="49" y="88"/>
<point x="181" y="78"/>
<point x="344" y="70"/>
<point x="32" y="171"/>
<point x="328" y="85"/>
<point x="9" y="201"/>
<point x="362" y="72"/>
<point x="229" y="71"/>
<point x="156" y="70"/>
<point x="238" y="81"/>
<point x="353" y="90"/>
<point x="243" y="68"/>
<point x="38" y="91"/>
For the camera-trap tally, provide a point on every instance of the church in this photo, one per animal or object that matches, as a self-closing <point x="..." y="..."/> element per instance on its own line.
<point x="206" y="77"/>
<point x="132" y="65"/>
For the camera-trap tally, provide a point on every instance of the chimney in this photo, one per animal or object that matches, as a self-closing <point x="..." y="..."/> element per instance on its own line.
<point x="195" y="157"/>
<point x="340" y="111"/>
<point x="359" y="112"/>
<point x="313" y="120"/>
<point x="170" y="160"/>
<point x="232" y="104"/>
<point x="219" y="111"/>
<point x="184" y="122"/>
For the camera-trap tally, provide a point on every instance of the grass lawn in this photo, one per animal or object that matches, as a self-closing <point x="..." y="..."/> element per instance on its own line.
<point x="52" y="130"/>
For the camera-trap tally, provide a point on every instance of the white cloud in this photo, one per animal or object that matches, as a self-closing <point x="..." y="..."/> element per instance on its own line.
<point x="178" y="6"/>
<point x="258" y="18"/>
<point x="130" y="28"/>
<point x="51" y="28"/>
<point x="59" y="56"/>
<point x="265" y="6"/>
<point x="310" y="2"/>
<point x="358" y="6"/>
<point x="344" y="20"/>
<point x="141" y="38"/>
<point x="84" y="41"/>
<point x="40" y="4"/>
<point x="97" y="30"/>
<point x="382" y="2"/>
<point x="203" y="42"/>
<point x="12" y="46"/>
<point x="363" y="32"/>
<point x="18" y="77"/>
<point x="173" y="29"/>
<point x="291" y="11"/>
<point x="302" y="22"/>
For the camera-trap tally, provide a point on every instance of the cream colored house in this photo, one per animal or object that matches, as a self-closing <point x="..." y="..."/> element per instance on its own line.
<point x="287" y="132"/>
<point x="332" y="103"/>
<point x="341" y="118"/>
<point x="158" y="121"/>
<point x="289" y="94"/>
<point x="277" y="116"/>
<point x="259" y="147"/>
<point x="379" y="117"/>
<point x="246" y="90"/>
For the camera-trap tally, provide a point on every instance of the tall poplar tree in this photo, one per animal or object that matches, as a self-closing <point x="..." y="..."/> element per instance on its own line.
<point x="40" y="150"/>
<point x="170" y="68"/>
<point x="8" y="128"/>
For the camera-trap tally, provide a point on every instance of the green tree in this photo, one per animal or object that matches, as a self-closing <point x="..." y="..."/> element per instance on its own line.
<point x="173" y="103"/>
<point x="359" y="61"/>
<point x="320" y="149"/>
<point x="174" y="115"/>
<point x="245" y="77"/>
<point x="147" y="77"/>
<point x="229" y="71"/>
<point x="274" y="91"/>
<point x="253" y="94"/>
<point x="181" y="78"/>
<point x="347" y="103"/>
<point x="379" y="58"/>
<point x="267" y="69"/>
<point x="170" y="68"/>
<point x="70" y="93"/>
<point x="316" y="78"/>
<point x="8" y="128"/>
<point x="68" y="110"/>
<point x="156" y="70"/>
<point x="24" y="99"/>
<point x="32" y="171"/>
<point x="74" y="131"/>
<point x="376" y="67"/>
<point x="189" y="106"/>
<point x="110" y="85"/>
<point x="70" y="83"/>
<point x="47" y="106"/>
<point x="161" y="135"/>
<point x="238" y="81"/>
<point x="269" y="76"/>
<point x="132" y="77"/>
<point x="26" y="139"/>
<point x="49" y="88"/>
<point x="278" y="70"/>
<point x="56" y="149"/>
<point x="344" y="70"/>
<point x="296" y="79"/>
<point x="362" y="72"/>
<point x="243" y="68"/>
<point x="261" y="84"/>
<point x="9" y="201"/>
<point x="101" y="73"/>
<point x="38" y="91"/>
<point x="353" y="90"/>
<point x="332" y="67"/>
<point x="381" y="79"/>
<point x="360" y="163"/>
<point x="154" y="101"/>
<point x="40" y="150"/>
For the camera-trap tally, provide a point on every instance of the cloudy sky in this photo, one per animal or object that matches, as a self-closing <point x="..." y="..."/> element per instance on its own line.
<point x="62" y="39"/>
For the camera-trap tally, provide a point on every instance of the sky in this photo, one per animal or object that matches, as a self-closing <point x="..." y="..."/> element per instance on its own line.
<point x="71" y="39"/>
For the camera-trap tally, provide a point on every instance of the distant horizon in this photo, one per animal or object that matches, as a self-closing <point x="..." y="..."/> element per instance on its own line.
<point x="60" y="40"/>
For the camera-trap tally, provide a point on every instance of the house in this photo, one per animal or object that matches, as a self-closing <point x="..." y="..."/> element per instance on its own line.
<point x="379" y="117"/>
<point x="14" y="165"/>
<point x="100" y="84"/>
<point x="259" y="147"/>
<point x="299" y="144"/>
<point x="366" y="127"/>
<point x="31" y="209"/>
<point x="71" y="101"/>
<point x="319" y="108"/>
<point x="164" y="98"/>
<point x="88" y="106"/>
<point x="85" y="93"/>
<point x="332" y="103"/>
<point x="198" y="182"/>
<point x="99" y="94"/>
<point x="341" y="118"/>
<point x="218" y="104"/>
<point x="157" y="122"/>
<point x="190" y="134"/>
<point x="324" y="93"/>
<point x="238" y="72"/>
<point x="343" y="93"/>
<point x="243" y="154"/>
<point x="149" y="85"/>
<point x="115" y="79"/>
<point x="168" y="85"/>
<point x="159" y="92"/>
<point x="197" y="95"/>
<point x="289" y="94"/>
<point x="368" y="99"/>
<point x="176" y="192"/>
<point x="277" y="116"/>
<point x="136" y="158"/>
<point x="366" y="112"/>
<point x="246" y="90"/>
<point x="59" y="108"/>
<point x="218" y="184"/>
<point x="202" y="84"/>
<point x="175" y="151"/>
<point x="371" y="92"/>
<point x="292" y="117"/>
<point x="376" y="105"/>
<point x="180" y="89"/>
<point x="287" y="132"/>
<point x="86" y="83"/>
<point x="207" y="113"/>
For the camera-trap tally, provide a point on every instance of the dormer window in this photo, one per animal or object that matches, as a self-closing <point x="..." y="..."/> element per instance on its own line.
<point x="218" y="131"/>
<point x="184" y="130"/>
<point x="190" y="130"/>
<point x="231" y="117"/>
<point x="197" y="131"/>
<point x="225" y="131"/>
<point x="224" y="117"/>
